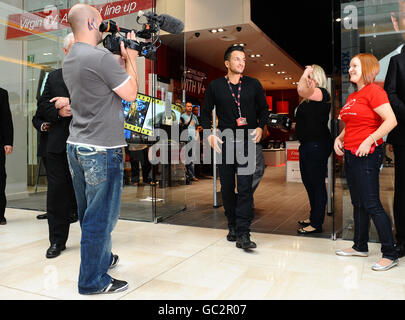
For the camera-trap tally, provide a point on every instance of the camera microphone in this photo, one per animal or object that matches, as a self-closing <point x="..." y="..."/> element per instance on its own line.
<point x="166" y="22"/>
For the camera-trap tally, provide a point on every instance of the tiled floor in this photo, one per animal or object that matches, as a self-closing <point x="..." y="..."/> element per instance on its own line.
<point x="166" y="262"/>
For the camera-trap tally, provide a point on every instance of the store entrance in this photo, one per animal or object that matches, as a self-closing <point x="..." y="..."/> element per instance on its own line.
<point x="280" y="200"/>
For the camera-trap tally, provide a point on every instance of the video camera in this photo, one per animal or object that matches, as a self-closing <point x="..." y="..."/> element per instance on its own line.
<point x="154" y="23"/>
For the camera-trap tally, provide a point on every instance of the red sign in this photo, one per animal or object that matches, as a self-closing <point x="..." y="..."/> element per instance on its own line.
<point x="293" y="155"/>
<point x="283" y="107"/>
<point x="51" y="19"/>
<point x="269" y="100"/>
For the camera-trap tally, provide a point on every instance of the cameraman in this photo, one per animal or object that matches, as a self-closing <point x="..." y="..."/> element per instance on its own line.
<point x="97" y="85"/>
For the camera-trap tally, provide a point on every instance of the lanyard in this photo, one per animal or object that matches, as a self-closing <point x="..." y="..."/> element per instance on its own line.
<point x="237" y="100"/>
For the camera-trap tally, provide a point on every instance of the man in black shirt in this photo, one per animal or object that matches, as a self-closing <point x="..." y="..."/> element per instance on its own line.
<point x="241" y="107"/>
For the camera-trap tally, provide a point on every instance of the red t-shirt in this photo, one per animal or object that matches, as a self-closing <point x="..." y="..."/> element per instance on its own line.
<point x="359" y="116"/>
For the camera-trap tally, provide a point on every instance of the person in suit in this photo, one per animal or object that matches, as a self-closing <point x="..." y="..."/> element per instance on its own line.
<point x="395" y="88"/>
<point x="54" y="107"/>
<point x="42" y="127"/>
<point x="6" y="147"/>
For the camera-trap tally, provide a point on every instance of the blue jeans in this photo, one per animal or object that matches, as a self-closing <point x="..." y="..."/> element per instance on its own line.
<point x="97" y="176"/>
<point x="362" y="174"/>
<point x="313" y="166"/>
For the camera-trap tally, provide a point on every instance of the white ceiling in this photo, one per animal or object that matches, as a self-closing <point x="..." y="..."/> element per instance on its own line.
<point x="210" y="48"/>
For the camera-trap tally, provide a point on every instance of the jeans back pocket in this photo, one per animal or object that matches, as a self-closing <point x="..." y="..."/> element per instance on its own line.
<point x="94" y="164"/>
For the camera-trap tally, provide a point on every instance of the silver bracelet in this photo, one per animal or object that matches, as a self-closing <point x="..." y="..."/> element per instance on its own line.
<point x="376" y="144"/>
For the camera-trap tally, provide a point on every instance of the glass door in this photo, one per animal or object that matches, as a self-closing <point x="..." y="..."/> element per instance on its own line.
<point x="377" y="28"/>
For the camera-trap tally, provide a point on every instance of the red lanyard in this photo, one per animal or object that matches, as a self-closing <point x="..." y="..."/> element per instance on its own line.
<point x="237" y="100"/>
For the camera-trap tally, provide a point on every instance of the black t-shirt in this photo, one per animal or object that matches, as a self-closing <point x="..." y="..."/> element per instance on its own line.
<point x="253" y="104"/>
<point x="312" y="119"/>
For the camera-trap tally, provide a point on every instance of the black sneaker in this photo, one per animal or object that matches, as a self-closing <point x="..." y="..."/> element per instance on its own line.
<point x="3" y="221"/>
<point x="231" y="235"/>
<point x="115" y="286"/>
<point x="114" y="261"/>
<point x="243" y="242"/>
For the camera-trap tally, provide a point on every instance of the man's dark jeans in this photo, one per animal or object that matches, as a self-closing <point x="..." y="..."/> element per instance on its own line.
<point x="362" y="174"/>
<point x="238" y="207"/>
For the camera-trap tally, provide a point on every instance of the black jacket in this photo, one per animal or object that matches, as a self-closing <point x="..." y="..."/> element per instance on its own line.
<point x="395" y="88"/>
<point x="43" y="140"/>
<point x="253" y="104"/>
<point x="59" y="128"/>
<point x="6" y="120"/>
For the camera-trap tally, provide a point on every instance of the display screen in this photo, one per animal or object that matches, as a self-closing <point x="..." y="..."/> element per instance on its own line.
<point x="141" y="118"/>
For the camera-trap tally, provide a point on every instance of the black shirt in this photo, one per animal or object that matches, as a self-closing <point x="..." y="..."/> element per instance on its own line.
<point x="312" y="119"/>
<point x="253" y="104"/>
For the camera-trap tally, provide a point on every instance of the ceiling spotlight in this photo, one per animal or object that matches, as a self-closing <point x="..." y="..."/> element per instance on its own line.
<point x="221" y="30"/>
<point x="272" y="64"/>
<point x="267" y="65"/>
<point x="252" y="56"/>
<point x="258" y="56"/>
<point x="214" y="30"/>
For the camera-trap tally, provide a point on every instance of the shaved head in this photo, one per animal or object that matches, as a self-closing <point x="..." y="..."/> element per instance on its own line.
<point x="79" y="16"/>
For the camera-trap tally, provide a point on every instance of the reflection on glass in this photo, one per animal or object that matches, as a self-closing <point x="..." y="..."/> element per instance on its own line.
<point x="32" y="36"/>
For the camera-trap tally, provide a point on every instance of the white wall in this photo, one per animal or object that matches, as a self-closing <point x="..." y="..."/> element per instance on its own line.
<point x="208" y="14"/>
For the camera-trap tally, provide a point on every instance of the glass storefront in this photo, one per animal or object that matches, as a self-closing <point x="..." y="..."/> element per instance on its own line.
<point x="375" y="27"/>
<point x="32" y="35"/>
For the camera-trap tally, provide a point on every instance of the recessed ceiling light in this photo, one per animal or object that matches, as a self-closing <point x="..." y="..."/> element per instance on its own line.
<point x="267" y="65"/>
<point x="258" y="56"/>
<point x="214" y="30"/>
<point x="252" y="56"/>
<point x="221" y="30"/>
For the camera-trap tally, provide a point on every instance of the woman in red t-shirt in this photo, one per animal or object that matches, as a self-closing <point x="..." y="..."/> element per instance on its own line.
<point x="368" y="118"/>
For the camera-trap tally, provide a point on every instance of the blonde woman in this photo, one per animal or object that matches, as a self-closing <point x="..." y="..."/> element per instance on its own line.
<point x="316" y="143"/>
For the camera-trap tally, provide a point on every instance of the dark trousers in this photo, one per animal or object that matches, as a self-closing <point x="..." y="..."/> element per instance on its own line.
<point x="260" y="167"/>
<point x="238" y="207"/>
<point x="362" y="174"/>
<point x="399" y="194"/>
<point x="61" y="201"/>
<point x="3" y="177"/>
<point x="136" y="157"/>
<point x="313" y="166"/>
